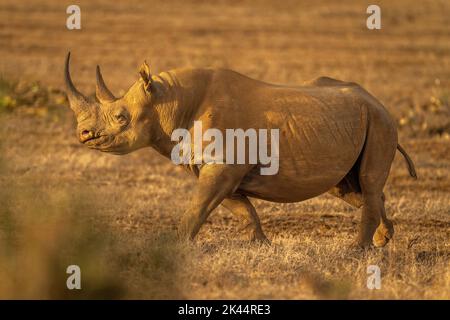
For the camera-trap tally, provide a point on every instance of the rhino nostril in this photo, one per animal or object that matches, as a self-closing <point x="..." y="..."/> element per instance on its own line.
<point x="86" y="135"/>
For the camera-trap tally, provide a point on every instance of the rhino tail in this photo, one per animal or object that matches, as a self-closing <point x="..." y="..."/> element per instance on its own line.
<point x="411" y="168"/>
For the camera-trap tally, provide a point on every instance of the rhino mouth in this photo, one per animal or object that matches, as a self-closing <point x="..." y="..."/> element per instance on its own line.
<point x="97" y="142"/>
<point x="106" y="144"/>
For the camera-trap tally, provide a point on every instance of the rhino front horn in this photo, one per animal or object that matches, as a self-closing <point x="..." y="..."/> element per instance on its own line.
<point x="76" y="99"/>
<point x="102" y="92"/>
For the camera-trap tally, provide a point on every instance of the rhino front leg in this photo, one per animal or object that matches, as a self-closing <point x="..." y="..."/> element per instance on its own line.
<point x="241" y="206"/>
<point x="215" y="183"/>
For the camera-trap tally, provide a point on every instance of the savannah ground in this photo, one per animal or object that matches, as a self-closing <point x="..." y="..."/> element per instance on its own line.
<point x="62" y="204"/>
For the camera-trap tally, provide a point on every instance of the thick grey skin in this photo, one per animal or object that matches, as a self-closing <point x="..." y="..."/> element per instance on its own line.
<point x="334" y="137"/>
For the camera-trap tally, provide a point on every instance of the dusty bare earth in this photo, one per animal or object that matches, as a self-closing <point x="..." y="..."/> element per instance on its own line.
<point x="63" y="204"/>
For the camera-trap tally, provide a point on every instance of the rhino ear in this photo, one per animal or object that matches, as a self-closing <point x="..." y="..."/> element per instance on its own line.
<point x="146" y="76"/>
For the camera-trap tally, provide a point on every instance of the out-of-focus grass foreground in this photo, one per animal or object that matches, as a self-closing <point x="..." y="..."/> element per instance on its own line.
<point x="62" y="204"/>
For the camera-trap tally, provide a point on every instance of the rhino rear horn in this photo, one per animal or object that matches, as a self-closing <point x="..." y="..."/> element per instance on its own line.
<point x="102" y="92"/>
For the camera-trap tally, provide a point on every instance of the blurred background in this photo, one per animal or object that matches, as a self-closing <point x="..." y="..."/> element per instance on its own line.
<point x="127" y="207"/>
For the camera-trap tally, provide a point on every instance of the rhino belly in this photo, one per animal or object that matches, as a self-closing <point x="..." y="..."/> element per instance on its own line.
<point x="314" y="156"/>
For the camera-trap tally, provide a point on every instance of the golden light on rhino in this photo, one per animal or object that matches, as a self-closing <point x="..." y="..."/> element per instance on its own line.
<point x="333" y="137"/>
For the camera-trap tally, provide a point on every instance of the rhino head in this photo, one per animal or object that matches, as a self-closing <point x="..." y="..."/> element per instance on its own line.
<point x="110" y="124"/>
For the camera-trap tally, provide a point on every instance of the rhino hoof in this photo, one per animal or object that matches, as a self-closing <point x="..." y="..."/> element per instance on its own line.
<point x="356" y="248"/>
<point x="261" y="239"/>
<point x="380" y="240"/>
<point x="383" y="235"/>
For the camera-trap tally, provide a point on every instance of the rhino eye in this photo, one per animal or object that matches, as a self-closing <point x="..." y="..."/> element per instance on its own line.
<point x="120" y="118"/>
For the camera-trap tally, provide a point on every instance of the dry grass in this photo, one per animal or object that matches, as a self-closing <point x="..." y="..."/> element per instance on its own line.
<point x="114" y="216"/>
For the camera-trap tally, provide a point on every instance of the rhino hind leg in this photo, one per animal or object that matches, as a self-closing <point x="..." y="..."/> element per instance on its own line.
<point x="348" y="189"/>
<point x="241" y="206"/>
<point x="385" y="230"/>
<point x="376" y="160"/>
